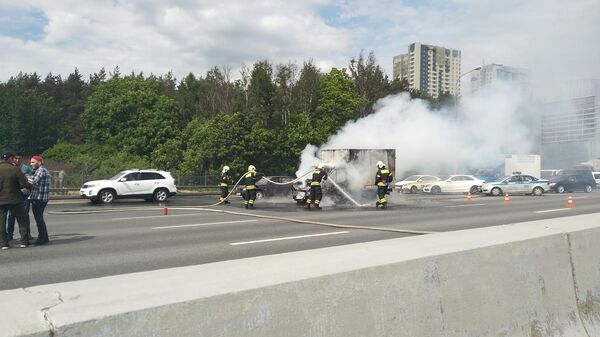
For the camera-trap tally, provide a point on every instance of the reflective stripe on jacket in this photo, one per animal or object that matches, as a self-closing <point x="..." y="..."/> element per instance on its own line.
<point x="383" y="177"/>
<point x="250" y="180"/>
<point x="317" y="177"/>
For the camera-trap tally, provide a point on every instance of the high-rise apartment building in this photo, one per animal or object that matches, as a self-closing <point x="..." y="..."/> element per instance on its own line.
<point x="429" y="69"/>
<point x="491" y="73"/>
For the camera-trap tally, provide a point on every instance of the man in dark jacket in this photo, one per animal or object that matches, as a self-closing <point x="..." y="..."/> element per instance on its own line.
<point x="12" y="180"/>
<point x="315" y="194"/>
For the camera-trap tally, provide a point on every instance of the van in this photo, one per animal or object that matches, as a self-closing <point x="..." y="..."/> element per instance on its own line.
<point x="573" y="180"/>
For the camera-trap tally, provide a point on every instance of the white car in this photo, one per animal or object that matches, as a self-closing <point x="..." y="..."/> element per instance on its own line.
<point x="415" y="183"/>
<point x="455" y="184"/>
<point x="144" y="184"/>
<point x="516" y="184"/>
<point x="597" y="178"/>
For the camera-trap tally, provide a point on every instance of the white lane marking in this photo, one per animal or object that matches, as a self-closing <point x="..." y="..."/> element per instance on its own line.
<point x="467" y="205"/>
<point x="204" y="224"/>
<point x="287" y="238"/>
<point x="153" y="216"/>
<point x="552" y="210"/>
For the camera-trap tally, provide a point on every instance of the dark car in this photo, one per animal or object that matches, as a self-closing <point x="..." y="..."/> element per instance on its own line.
<point x="265" y="188"/>
<point x="573" y="180"/>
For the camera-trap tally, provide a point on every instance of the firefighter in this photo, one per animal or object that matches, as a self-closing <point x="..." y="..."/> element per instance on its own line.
<point x="315" y="194"/>
<point x="382" y="179"/>
<point x="224" y="184"/>
<point x="250" y="187"/>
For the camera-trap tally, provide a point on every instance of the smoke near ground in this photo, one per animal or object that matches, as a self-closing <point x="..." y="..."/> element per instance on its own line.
<point x="486" y="125"/>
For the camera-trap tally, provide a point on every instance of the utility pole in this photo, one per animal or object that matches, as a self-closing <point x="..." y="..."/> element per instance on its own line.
<point x="456" y="117"/>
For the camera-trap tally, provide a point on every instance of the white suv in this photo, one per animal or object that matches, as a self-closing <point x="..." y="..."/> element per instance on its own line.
<point x="144" y="184"/>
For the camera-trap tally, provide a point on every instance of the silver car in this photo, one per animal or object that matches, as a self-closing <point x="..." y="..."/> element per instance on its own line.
<point x="516" y="184"/>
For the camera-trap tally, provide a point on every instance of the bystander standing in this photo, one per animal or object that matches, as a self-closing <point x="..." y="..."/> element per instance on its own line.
<point x="40" y="189"/>
<point x="12" y="180"/>
<point x="10" y="225"/>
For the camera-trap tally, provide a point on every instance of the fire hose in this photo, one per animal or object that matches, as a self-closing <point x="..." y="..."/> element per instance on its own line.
<point x="261" y="216"/>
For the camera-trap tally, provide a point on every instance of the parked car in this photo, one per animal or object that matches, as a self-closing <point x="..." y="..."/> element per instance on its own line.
<point x="264" y="188"/>
<point x="454" y="184"/>
<point x="415" y="183"/>
<point x="143" y="184"/>
<point x="573" y="180"/>
<point x="516" y="184"/>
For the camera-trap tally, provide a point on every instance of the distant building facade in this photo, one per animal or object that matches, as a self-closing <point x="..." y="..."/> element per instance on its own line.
<point x="571" y="127"/>
<point x="429" y="69"/>
<point x="492" y="73"/>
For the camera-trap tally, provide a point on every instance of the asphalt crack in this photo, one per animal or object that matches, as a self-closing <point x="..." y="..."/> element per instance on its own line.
<point x="52" y="331"/>
<point x="575" y="285"/>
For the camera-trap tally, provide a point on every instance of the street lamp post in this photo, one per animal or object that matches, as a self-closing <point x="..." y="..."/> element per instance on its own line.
<point x="456" y="117"/>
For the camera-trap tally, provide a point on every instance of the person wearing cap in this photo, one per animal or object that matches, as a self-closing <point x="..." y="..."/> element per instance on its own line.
<point x="10" y="225"/>
<point x="40" y="189"/>
<point x="12" y="180"/>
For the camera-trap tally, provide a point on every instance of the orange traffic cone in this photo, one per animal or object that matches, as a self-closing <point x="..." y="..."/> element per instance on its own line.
<point x="469" y="197"/>
<point x="570" y="203"/>
<point x="506" y="199"/>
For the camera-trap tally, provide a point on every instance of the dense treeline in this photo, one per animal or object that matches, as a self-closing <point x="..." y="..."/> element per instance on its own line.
<point x="111" y="121"/>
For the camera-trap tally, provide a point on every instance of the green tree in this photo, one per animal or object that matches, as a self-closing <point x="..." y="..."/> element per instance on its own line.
<point x="131" y="114"/>
<point x="306" y="90"/>
<point x="337" y="102"/>
<point x="370" y="82"/>
<point x="261" y="94"/>
<point x="30" y="119"/>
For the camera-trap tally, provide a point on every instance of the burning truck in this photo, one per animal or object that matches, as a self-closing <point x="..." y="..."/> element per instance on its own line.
<point x="351" y="175"/>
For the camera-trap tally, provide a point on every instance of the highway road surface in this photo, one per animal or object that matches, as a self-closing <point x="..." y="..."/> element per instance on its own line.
<point x="134" y="236"/>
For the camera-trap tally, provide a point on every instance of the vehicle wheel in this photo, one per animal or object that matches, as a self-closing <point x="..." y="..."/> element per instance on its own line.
<point x="106" y="196"/>
<point x="474" y="189"/>
<point x="260" y="194"/>
<point x="161" y="195"/>
<point x="496" y="191"/>
<point x="538" y="191"/>
<point x="436" y="190"/>
<point x="588" y="189"/>
<point x="560" y="189"/>
<point x="414" y="189"/>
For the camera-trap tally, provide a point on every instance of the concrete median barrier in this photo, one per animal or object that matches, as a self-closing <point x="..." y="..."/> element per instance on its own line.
<point x="530" y="279"/>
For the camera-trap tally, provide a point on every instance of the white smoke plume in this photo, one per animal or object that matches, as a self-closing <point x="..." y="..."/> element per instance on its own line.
<point x="486" y="125"/>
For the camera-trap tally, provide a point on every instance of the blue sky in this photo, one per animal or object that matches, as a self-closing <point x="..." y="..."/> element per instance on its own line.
<point x="554" y="39"/>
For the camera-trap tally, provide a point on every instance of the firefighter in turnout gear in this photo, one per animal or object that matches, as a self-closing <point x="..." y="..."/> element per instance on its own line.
<point x="250" y="187"/>
<point x="382" y="179"/>
<point x="316" y="193"/>
<point x="224" y="184"/>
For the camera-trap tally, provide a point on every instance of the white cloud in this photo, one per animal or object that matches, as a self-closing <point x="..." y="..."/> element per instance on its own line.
<point x="182" y="36"/>
<point x="553" y="38"/>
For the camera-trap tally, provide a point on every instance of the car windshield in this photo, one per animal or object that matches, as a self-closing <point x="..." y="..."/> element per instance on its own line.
<point x="445" y="178"/>
<point x="116" y="176"/>
<point x="412" y="178"/>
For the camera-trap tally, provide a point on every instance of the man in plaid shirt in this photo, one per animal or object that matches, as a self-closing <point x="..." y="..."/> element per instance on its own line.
<point x="40" y="189"/>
